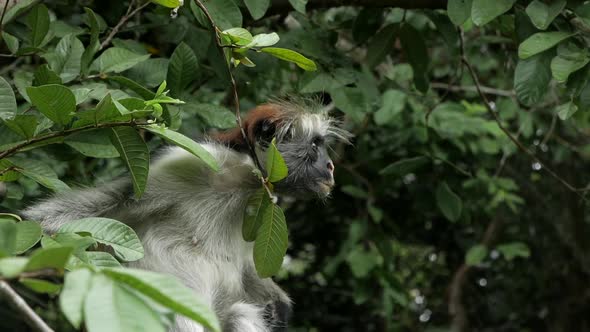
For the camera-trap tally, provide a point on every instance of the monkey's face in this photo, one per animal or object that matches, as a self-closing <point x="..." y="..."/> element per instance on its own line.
<point x="304" y="146"/>
<point x="311" y="171"/>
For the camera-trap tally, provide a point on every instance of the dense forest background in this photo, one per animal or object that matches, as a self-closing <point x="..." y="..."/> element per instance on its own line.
<point x="461" y="204"/>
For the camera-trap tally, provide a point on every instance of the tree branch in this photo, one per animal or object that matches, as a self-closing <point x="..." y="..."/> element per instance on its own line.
<point x="236" y="99"/>
<point x="31" y="316"/>
<point x="283" y="6"/>
<point x="512" y="138"/>
<point x="16" y="148"/>
<point x="460" y="88"/>
<point x="2" y="17"/>
<point x="460" y="322"/>
<point x="122" y="22"/>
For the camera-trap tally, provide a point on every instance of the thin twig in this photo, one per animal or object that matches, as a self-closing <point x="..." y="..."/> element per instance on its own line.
<point x="19" y="303"/>
<point x="122" y="22"/>
<point x="460" y="88"/>
<point x="458" y="75"/>
<point x="460" y="322"/>
<point x="512" y="138"/>
<point x="6" y="170"/>
<point x="2" y="17"/>
<point x="216" y="31"/>
<point x="15" y="149"/>
<point x="11" y="66"/>
<point x="551" y="130"/>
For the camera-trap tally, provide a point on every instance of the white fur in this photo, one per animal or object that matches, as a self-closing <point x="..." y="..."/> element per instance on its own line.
<point x="189" y="220"/>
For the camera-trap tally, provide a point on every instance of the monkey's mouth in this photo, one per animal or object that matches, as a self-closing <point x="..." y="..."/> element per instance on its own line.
<point x="326" y="186"/>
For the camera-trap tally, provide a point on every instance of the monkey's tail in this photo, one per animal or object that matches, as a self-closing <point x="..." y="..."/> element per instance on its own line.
<point x="55" y="211"/>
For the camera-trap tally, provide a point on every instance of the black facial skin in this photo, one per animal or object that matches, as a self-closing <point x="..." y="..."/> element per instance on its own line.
<point x="310" y="168"/>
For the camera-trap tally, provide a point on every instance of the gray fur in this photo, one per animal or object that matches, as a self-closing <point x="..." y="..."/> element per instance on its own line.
<point x="190" y="224"/>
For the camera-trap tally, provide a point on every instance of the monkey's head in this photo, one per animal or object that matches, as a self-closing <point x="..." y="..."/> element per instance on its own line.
<point x="303" y="133"/>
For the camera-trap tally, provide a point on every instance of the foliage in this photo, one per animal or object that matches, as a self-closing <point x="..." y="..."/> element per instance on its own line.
<point x="440" y="221"/>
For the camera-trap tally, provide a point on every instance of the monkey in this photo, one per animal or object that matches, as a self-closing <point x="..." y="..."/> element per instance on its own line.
<point x="189" y="218"/>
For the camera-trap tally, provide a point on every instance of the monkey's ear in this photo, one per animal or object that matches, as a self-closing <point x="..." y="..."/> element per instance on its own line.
<point x="264" y="131"/>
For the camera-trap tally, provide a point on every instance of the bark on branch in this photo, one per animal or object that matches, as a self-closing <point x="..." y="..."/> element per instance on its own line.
<point x="282" y="6"/>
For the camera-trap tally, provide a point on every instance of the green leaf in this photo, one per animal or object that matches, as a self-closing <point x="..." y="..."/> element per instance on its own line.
<point x="7" y="237"/>
<point x="18" y="8"/>
<point x="381" y="44"/>
<point x="542" y="14"/>
<point x="102" y="259"/>
<point x="570" y="58"/>
<point x="56" y="102"/>
<point x="23" y="124"/>
<point x="393" y="103"/>
<point x="66" y="59"/>
<point x="11" y="42"/>
<point x="167" y="3"/>
<point x="7" y="176"/>
<point x="351" y="101"/>
<point x="484" y="11"/>
<point x="298" y="5"/>
<point x="71" y="299"/>
<point x="11" y="267"/>
<point x="48" y="258"/>
<point x="257" y="203"/>
<point x="113" y="233"/>
<point x="225" y="13"/>
<point x="541" y="41"/>
<point x="116" y="60"/>
<point x="167" y="291"/>
<point x="133" y="86"/>
<point x="38" y="22"/>
<point x="39" y="172"/>
<point x="40" y="286"/>
<point x="275" y="164"/>
<point x="532" y="77"/>
<point x="81" y="94"/>
<point x="28" y="234"/>
<point x="271" y="242"/>
<point x="257" y="8"/>
<point x="476" y="254"/>
<point x="110" y="307"/>
<point x="415" y="50"/>
<point x="513" y="250"/>
<point x="565" y="111"/>
<point x="94" y="44"/>
<point x="263" y="40"/>
<point x="185" y="143"/>
<point x="213" y="115"/>
<point x="362" y="261"/>
<point x="182" y="69"/>
<point x="7" y="100"/>
<point x="134" y="153"/>
<point x="366" y="24"/>
<point x="291" y="56"/>
<point x="77" y="242"/>
<point x="459" y="11"/>
<point x="561" y="67"/>
<point x="93" y="143"/>
<point x="149" y="73"/>
<point x="405" y="166"/>
<point x="448" y="202"/>
<point x="44" y="75"/>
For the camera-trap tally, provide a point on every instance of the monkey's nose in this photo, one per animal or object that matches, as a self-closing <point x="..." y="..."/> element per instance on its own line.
<point x="331" y="166"/>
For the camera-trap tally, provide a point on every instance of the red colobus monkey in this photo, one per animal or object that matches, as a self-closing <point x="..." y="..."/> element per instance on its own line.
<point x="189" y="219"/>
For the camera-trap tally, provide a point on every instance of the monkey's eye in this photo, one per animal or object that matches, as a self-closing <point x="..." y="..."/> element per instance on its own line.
<point x="316" y="142"/>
